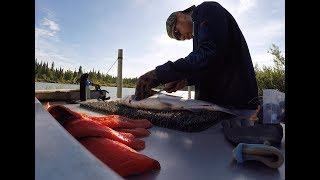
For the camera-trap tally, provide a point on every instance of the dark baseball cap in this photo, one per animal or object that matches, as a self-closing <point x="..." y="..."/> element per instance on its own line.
<point x="172" y="20"/>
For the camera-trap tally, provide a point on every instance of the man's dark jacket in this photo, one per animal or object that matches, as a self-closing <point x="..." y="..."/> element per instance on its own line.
<point x="220" y="65"/>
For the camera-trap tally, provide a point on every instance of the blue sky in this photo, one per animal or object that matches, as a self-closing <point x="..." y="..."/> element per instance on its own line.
<point x="89" y="33"/>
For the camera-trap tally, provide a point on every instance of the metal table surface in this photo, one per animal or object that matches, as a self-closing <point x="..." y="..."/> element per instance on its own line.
<point x="59" y="156"/>
<point x="197" y="155"/>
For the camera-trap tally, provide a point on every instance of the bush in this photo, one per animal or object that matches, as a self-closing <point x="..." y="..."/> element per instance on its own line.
<point x="272" y="77"/>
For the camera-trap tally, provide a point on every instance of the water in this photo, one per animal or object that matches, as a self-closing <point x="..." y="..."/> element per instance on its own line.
<point x="112" y="90"/>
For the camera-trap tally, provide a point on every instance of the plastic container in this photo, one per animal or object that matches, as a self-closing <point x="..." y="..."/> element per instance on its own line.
<point x="273" y="106"/>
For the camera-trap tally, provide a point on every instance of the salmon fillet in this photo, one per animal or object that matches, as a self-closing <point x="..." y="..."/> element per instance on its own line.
<point x="115" y="121"/>
<point x="122" y="159"/>
<point x="137" y="132"/>
<point x="63" y="114"/>
<point x="80" y="126"/>
<point x="84" y="128"/>
<point x="115" y="148"/>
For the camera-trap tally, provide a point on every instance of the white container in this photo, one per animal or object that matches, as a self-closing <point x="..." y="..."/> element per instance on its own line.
<point x="88" y="92"/>
<point x="89" y="83"/>
<point x="272" y="110"/>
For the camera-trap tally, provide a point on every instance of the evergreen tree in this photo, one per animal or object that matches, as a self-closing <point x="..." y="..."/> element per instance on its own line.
<point x="68" y="76"/>
<point x="52" y="66"/>
<point x="80" y="72"/>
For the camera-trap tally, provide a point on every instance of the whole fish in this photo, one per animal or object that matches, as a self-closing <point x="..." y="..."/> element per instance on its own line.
<point x="163" y="101"/>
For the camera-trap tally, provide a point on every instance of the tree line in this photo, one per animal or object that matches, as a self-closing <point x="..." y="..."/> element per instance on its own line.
<point x="268" y="77"/>
<point x="44" y="73"/>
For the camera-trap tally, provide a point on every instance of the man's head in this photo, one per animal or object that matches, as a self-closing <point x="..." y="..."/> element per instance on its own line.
<point x="179" y="24"/>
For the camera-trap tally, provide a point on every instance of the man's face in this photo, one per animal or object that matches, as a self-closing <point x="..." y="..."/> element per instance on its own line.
<point x="183" y="28"/>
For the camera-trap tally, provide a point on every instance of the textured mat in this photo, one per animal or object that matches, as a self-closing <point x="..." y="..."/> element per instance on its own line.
<point x="178" y="120"/>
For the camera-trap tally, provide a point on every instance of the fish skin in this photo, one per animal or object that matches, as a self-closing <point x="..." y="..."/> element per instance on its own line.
<point x="122" y="159"/>
<point x="162" y="101"/>
<point x="84" y="128"/>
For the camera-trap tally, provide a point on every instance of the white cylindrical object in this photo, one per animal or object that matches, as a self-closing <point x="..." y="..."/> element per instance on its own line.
<point x="119" y="77"/>
<point x="88" y="92"/>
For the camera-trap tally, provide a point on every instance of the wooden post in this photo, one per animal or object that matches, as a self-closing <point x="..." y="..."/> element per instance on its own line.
<point x="189" y="92"/>
<point x="119" y="77"/>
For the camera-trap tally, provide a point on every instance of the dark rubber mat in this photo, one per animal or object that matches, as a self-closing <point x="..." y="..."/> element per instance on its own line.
<point x="178" y="120"/>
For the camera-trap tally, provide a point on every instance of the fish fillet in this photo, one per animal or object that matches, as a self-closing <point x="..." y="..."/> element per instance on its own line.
<point x="137" y="132"/>
<point x="122" y="159"/>
<point x="116" y="121"/>
<point x="162" y="101"/>
<point x="84" y="128"/>
<point x="80" y="126"/>
<point x="63" y="114"/>
<point x="114" y="148"/>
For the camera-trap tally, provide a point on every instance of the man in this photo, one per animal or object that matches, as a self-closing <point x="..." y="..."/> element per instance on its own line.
<point x="219" y="66"/>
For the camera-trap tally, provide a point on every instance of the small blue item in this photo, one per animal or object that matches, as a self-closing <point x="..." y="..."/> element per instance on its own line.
<point x="89" y="83"/>
<point x="269" y="155"/>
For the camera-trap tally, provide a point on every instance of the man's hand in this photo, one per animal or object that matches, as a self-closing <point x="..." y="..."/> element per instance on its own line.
<point x="175" y="85"/>
<point x="145" y="83"/>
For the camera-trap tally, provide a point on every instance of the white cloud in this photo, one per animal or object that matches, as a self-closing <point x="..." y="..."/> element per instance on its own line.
<point x="42" y="32"/>
<point x="261" y="36"/>
<point x="48" y="47"/>
<point x="48" y="27"/>
<point x="262" y="59"/>
<point x="170" y="49"/>
<point x="53" y="26"/>
<point x="159" y="51"/>
<point x="271" y="28"/>
<point x="245" y="5"/>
